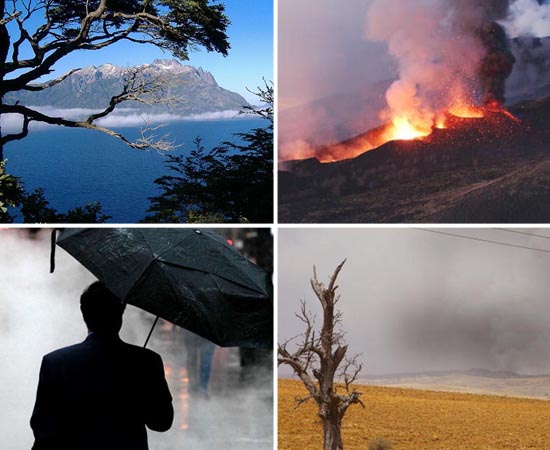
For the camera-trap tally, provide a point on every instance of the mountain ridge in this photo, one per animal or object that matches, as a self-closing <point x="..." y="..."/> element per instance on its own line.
<point x="196" y="90"/>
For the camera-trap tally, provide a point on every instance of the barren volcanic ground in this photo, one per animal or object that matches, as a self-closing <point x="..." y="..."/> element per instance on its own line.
<point x="489" y="170"/>
<point x="420" y="420"/>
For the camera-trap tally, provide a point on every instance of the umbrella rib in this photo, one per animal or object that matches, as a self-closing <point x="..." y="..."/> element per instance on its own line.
<point x="172" y="246"/>
<point x="254" y="289"/>
<point x="146" y="242"/>
<point x="222" y="246"/>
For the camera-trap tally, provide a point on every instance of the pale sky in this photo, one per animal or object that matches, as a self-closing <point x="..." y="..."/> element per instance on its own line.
<point x="322" y="50"/>
<point x="416" y="301"/>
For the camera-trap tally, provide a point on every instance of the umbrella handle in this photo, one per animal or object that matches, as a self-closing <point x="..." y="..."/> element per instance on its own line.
<point x="151" y="332"/>
<point x="52" y="252"/>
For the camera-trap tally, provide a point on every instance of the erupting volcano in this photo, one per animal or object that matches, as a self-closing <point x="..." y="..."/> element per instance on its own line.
<point x="449" y="148"/>
<point x="489" y="169"/>
<point x="453" y="61"/>
<point x="401" y="129"/>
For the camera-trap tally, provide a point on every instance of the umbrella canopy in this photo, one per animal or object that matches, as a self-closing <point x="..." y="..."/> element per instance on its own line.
<point x="189" y="277"/>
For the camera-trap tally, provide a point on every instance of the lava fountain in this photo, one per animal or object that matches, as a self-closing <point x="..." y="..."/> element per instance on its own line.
<point x="453" y="60"/>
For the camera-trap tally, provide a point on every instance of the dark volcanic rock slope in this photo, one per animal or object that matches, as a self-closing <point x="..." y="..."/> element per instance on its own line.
<point x="486" y="170"/>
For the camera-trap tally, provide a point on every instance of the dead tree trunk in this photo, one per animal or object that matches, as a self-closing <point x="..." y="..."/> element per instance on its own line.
<point x="317" y="360"/>
<point x="331" y="432"/>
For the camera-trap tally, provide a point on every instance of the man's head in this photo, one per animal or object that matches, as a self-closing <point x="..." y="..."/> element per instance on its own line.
<point x="101" y="309"/>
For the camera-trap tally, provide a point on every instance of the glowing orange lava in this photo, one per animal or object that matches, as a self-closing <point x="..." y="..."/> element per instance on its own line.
<point x="411" y="125"/>
<point x="467" y="112"/>
<point x="403" y="130"/>
<point x="497" y="107"/>
<point x="441" y="122"/>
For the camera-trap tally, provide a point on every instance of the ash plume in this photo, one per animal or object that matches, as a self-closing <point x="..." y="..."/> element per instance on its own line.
<point x="497" y="64"/>
<point x="450" y="53"/>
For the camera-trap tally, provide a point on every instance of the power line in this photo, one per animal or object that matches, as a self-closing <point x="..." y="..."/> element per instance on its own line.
<point x="522" y="232"/>
<point x="484" y="240"/>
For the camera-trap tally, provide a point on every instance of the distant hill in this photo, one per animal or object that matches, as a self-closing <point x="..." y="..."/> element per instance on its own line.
<point x="92" y="87"/>
<point x="473" y="381"/>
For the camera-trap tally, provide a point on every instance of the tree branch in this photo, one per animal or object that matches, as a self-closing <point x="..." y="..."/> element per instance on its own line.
<point x="144" y="143"/>
<point x="49" y="84"/>
<point x="15" y="137"/>
<point x="11" y="17"/>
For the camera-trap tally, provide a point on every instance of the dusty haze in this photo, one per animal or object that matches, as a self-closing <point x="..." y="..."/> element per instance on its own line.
<point x="414" y="301"/>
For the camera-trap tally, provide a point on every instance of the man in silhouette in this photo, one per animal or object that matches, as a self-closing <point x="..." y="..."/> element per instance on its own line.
<point x="100" y="394"/>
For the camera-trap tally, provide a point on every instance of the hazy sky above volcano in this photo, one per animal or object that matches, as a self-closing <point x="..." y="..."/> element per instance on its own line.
<point x="322" y="50"/>
<point x="418" y="301"/>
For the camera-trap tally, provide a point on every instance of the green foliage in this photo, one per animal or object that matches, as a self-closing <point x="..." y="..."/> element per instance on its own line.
<point x="10" y="193"/>
<point x="380" y="444"/>
<point x="174" y="25"/>
<point x="90" y="213"/>
<point x="199" y="21"/>
<point x="232" y="182"/>
<point x="66" y="14"/>
<point x="36" y="209"/>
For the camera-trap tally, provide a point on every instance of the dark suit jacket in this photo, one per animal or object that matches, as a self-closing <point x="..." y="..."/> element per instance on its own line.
<point x="99" y="395"/>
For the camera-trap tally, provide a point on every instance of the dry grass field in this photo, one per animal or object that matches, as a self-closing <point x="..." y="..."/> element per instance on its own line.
<point x="420" y="420"/>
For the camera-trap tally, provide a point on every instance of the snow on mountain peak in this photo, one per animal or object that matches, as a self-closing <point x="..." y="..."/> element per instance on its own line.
<point x="158" y="66"/>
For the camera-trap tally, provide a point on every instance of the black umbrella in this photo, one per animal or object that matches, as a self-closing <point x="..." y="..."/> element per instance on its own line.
<point x="189" y="277"/>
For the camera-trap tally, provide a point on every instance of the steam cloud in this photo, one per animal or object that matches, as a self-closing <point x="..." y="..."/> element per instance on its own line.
<point x="528" y="17"/>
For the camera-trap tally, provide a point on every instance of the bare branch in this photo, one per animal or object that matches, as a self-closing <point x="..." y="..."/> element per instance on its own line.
<point x="331" y="286"/>
<point x="8" y="19"/>
<point x="300" y="400"/>
<point x="15" y="137"/>
<point x="37" y="116"/>
<point x="49" y="84"/>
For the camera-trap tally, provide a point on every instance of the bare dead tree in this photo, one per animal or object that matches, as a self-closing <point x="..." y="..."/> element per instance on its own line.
<point x="319" y="360"/>
<point x="36" y="34"/>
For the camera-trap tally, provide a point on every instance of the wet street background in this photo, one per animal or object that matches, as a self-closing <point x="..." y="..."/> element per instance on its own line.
<point x="236" y="412"/>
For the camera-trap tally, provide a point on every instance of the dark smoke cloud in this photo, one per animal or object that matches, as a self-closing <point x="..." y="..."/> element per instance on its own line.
<point x="497" y="64"/>
<point x="479" y="19"/>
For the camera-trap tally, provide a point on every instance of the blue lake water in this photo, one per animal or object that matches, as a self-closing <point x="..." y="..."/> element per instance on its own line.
<point x="78" y="166"/>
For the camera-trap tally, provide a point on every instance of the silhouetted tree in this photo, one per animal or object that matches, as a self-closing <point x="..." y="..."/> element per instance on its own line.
<point x="320" y="358"/>
<point x="233" y="182"/>
<point x="49" y="30"/>
<point x="36" y="34"/>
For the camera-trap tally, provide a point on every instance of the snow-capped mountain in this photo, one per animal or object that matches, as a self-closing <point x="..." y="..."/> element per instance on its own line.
<point x="195" y="89"/>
